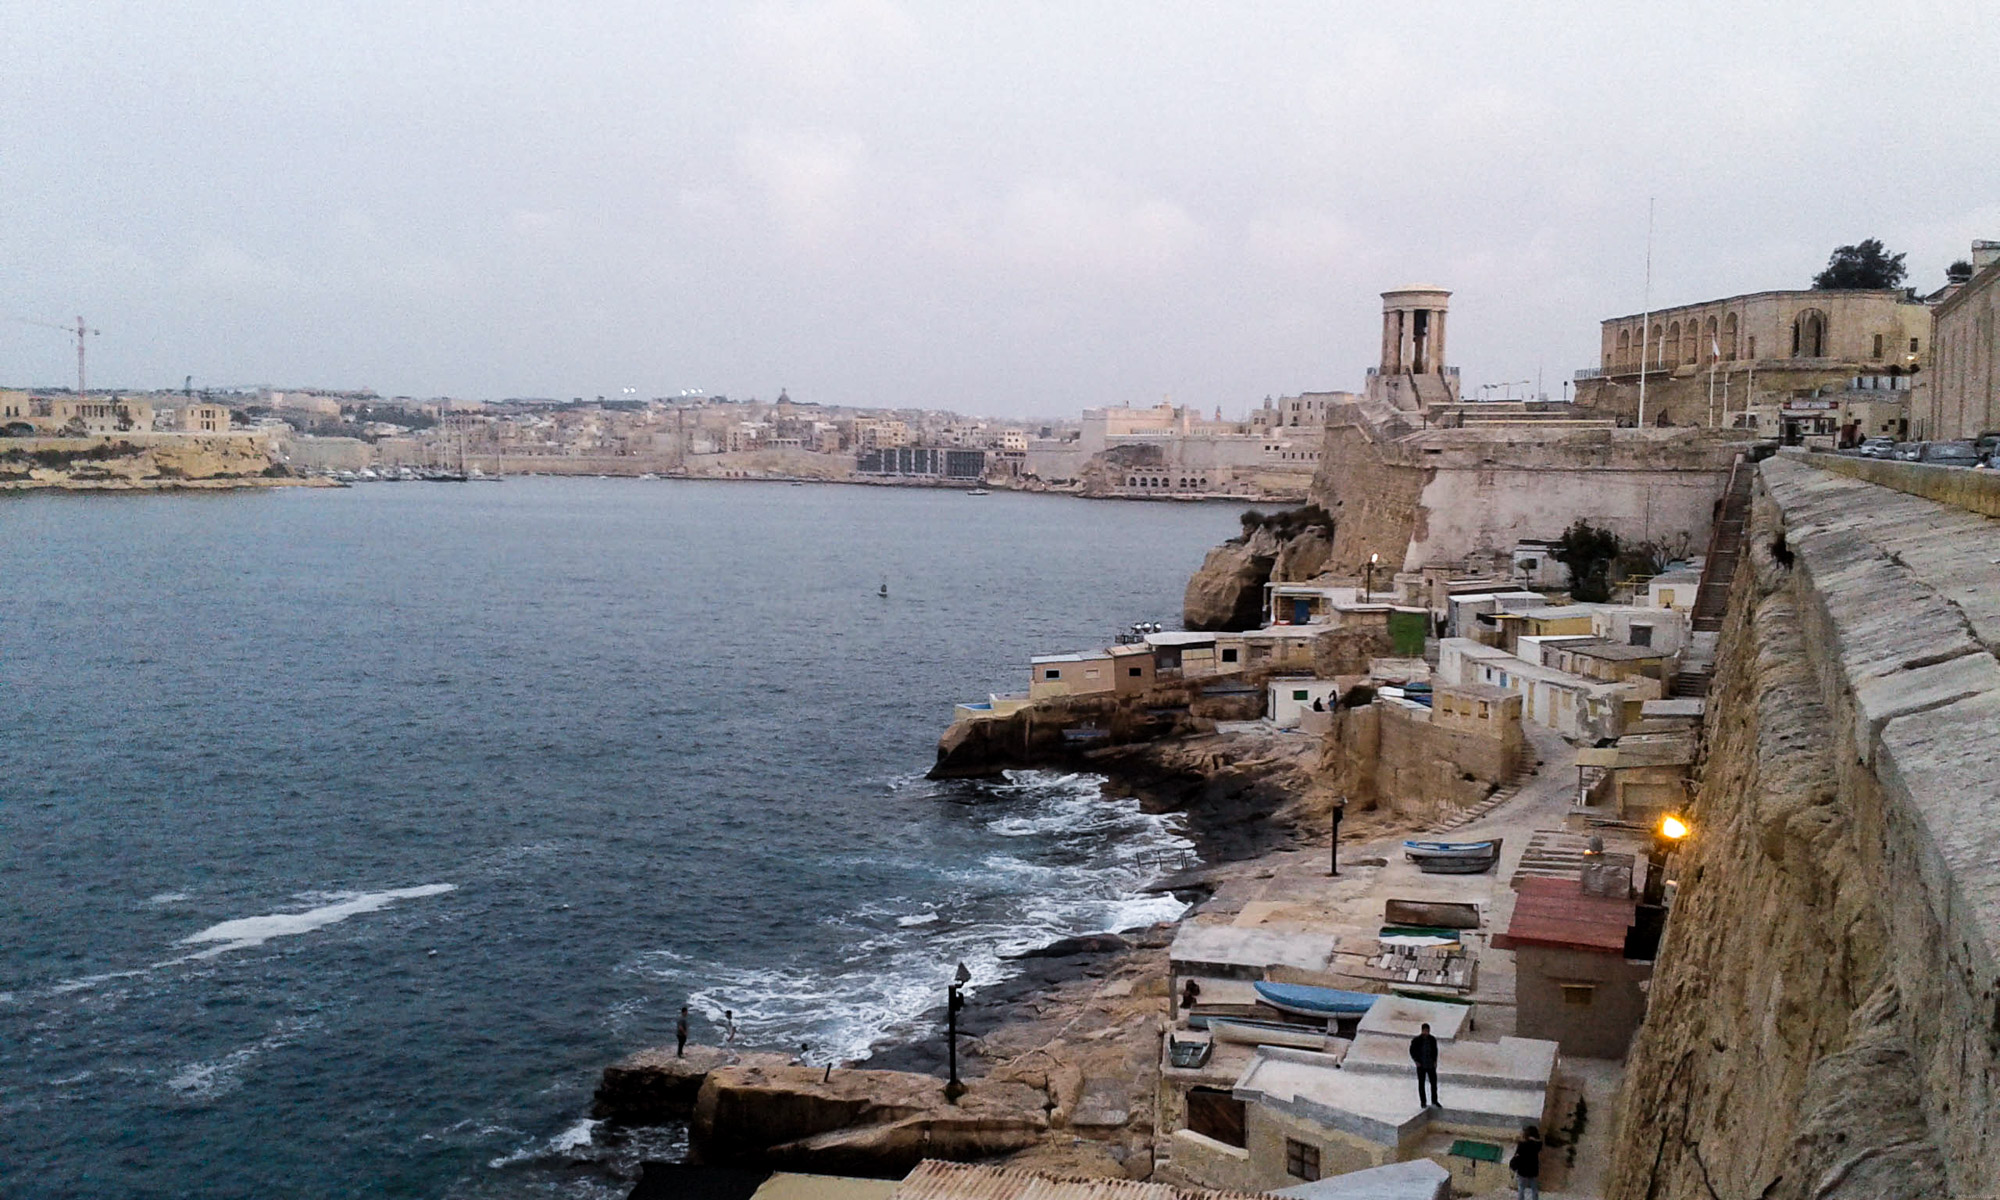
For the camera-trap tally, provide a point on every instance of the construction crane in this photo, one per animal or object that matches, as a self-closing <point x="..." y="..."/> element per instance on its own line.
<point x="81" y="331"/>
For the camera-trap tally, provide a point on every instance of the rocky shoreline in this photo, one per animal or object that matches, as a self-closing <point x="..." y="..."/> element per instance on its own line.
<point x="1061" y="1057"/>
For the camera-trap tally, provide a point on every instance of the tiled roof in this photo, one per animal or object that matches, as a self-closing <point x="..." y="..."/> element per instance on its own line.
<point x="933" y="1180"/>
<point x="1555" y="912"/>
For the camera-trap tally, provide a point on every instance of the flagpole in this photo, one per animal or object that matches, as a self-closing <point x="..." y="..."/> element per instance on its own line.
<point x="1646" y="319"/>
<point x="1714" y="353"/>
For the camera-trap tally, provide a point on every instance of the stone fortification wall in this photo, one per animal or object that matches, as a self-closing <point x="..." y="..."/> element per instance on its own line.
<point x="1976" y="491"/>
<point x="1825" y="1017"/>
<point x="1419" y="496"/>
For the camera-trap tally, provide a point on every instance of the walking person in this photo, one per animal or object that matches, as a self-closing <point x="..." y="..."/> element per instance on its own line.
<point x="728" y="1027"/>
<point x="1424" y="1053"/>
<point x="1527" y="1165"/>
<point x="681" y="1034"/>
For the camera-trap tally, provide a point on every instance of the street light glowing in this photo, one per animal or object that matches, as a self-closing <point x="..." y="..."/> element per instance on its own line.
<point x="1673" y="828"/>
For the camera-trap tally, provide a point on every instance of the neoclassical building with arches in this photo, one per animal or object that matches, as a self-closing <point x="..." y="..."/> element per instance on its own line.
<point x="1777" y="344"/>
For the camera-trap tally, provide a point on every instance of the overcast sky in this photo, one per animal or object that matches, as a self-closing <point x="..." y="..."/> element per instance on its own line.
<point x="1002" y="208"/>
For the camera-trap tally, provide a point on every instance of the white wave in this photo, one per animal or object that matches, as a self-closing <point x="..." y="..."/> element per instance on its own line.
<point x="245" y="932"/>
<point x="206" y="1080"/>
<point x="889" y="972"/>
<point x="568" y="1142"/>
<point x="576" y="1137"/>
<point x="166" y="898"/>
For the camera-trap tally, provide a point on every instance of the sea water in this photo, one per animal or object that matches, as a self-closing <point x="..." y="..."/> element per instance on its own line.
<point x="346" y="835"/>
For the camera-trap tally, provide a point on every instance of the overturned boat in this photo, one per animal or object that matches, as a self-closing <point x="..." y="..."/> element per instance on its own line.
<point x="1306" y="1000"/>
<point x="1453" y="858"/>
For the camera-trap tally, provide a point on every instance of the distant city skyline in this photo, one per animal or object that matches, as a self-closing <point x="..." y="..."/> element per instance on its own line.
<point x="994" y="210"/>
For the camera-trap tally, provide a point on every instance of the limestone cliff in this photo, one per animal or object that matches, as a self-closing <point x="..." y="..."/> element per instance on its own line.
<point x="140" y="462"/>
<point x="1227" y="591"/>
<point x="1823" y="1021"/>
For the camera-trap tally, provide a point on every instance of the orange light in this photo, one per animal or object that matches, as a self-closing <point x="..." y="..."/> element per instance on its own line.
<point x="1673" y="828"/>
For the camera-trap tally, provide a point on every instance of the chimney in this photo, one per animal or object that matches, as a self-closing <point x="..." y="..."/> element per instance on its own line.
<point x="1985" y="254"/>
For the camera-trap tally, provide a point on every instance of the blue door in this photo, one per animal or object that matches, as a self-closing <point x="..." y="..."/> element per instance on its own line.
<point x="1302" y="612"/>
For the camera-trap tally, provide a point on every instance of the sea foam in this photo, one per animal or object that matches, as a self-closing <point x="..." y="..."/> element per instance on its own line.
<point x="245" y="932"/>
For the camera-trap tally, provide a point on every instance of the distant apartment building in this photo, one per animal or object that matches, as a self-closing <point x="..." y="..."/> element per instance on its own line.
<point x="55" y="415"/>
<point x="206" y="418"/>
<point x="937" y="462"/>
<point x="878" y="433"/>
<point x="1962" y="396"/>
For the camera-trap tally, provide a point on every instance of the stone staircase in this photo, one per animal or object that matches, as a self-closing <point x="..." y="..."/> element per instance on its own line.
<point x="1692" y="682"/>
<point x="1453" y="816"/>
<point x="1725" y="549"/>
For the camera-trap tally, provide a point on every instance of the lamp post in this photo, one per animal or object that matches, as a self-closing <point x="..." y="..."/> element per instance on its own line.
<point x="1666" y="835"/>
<point x="1333" y="863"/>
<point x="1368" y="579"/>
<point x="953" y="1002"/>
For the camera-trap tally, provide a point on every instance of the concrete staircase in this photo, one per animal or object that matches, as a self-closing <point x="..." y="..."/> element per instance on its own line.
<point x="1725" y="549"/>
<point x="1452" y="816"/>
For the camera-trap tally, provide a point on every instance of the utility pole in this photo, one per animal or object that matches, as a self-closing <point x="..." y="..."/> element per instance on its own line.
<point x="1646" y="319"/>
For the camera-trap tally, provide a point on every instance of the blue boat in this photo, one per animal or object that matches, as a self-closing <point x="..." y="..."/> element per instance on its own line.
<point x="1308" y="1001"/>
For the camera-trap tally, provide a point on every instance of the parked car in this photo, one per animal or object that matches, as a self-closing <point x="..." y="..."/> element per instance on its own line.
<point x="1949" y="454"/>
<point x="1905" y="451"/>
<point x="1987" y="444"/>
<point x="1876" y="447"/>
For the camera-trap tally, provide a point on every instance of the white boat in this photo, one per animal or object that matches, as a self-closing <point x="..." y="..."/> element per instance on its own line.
<point x="1245" y="1032"/>
<point x="979" y="492"/>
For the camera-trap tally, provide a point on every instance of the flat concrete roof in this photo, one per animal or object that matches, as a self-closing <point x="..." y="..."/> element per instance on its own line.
<point x="1380" y="1103"/>
<point x="1274" y="633"/>
<point x="1417" y="1179"/>
<point x="1678" y="706"/>
<point x="1402" y="1017"/>
<point x="1053" y="658"/>
<point x="1472" y="691"/>
<point x="1227" y="946"/>
<point x="1180" y="637"/>
<point x="1609" y="651"/>
<point x="1560" y="612"/>
<point x="1510" y="1062"/>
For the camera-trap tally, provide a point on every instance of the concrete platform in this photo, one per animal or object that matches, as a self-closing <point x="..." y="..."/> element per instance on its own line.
<point x="1401" y="1017"/>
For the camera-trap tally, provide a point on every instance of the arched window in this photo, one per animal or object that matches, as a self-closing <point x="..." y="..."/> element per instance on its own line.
<point x="1624" y="348"/>
<point x="1709" y="339"/>
<point x="1659" y="345"/>
<point x="1729" y="337"/>
<point x="1674" y="342"/>
<point x="1809" y="335"/>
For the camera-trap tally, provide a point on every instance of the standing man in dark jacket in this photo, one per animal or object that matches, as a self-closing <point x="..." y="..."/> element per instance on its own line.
<point x="1424" y="1053"/>
<point x="1527" y="1164"/>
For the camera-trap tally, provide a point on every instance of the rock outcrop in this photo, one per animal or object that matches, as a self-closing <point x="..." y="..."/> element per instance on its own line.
<point x="655" y="1086"/>
<point x="142" y="462"/>
<point x="856" y="1122"/>
<point x="1227" y="592"/>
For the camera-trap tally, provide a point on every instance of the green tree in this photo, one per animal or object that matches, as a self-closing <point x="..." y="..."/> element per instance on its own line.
<point x="1588" y="551"/>
<point x="1863" y="265"/>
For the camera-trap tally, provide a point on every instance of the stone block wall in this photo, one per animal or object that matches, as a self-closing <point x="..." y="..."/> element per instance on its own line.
<point x="1974" y="491"/>
<point x="1825" y="1017"/>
